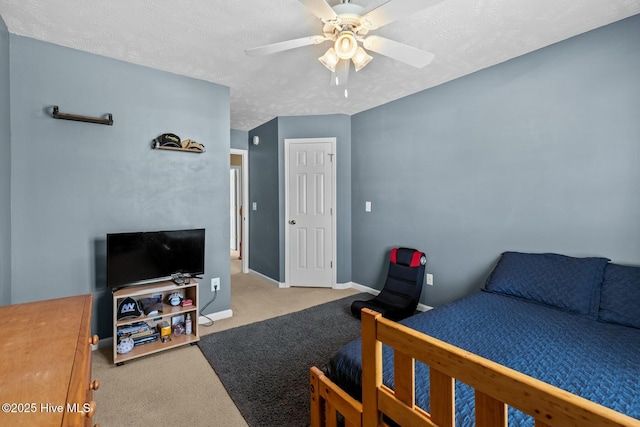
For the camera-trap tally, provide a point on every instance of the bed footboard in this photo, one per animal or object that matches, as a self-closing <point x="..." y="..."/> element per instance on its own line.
<point x="327" y="400"/>
<point x="496" y="387"/>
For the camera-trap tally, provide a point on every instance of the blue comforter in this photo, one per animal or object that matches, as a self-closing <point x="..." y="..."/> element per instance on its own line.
<point x="595" y="360"/>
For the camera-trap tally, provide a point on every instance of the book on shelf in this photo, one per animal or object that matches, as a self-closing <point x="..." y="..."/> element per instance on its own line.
<point x="145" y="340"/>
<point x="133" y="328"/>
<point x="141" y="334"/>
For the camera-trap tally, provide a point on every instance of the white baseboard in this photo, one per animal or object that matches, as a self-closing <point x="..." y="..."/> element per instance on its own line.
<point x="363" y="288"/>
<point x="367" y="289"/>
<point x="337" y="286"/>
<point x="423" y="307"/>
<point x="104" y="342"/>
<point x="342" y="286"/>
<point x="268" y="279"/>
<point x="218" y="315"/>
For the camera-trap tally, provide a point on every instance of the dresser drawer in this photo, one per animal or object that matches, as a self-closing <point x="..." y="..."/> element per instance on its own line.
<point x="46" y="373"/>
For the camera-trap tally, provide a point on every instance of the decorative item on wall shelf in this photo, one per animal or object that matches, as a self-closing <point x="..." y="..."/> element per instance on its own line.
<point x="78" y="118"/>
<point x="171" y="141"/>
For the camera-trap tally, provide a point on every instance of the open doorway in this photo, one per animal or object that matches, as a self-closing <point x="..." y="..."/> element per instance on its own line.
<point x="238" y="216"/>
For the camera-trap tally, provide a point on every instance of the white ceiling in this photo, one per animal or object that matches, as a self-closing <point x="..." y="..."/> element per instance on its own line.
<point x="206" y="39"/>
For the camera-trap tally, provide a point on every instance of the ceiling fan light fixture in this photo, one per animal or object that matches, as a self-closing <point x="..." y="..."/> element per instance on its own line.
<point x="346" y="45"/>
<point x="361" y="59"/>
<point x="329" y="59"/>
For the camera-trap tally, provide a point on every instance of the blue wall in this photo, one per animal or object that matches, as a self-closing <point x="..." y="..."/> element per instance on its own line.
<point x="239" y="139"/>
<point x="266" y="188"/>
<point x="264" y="222"/>
<point x="539" y="153"/>
<point x="5" y="169"/>
<point x="75" y="182"/>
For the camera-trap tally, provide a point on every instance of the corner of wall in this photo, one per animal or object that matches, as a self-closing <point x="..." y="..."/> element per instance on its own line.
<point x="5" y="164"/>
<point x="239" y="139"/>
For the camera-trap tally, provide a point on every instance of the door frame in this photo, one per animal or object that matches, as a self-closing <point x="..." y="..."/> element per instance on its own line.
<point x="237" y="202"/>
<point x="334" y="235"/>
<point x="245" y="204"/>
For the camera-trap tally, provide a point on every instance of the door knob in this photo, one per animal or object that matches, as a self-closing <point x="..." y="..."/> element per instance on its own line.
<point x="292" y="222"/>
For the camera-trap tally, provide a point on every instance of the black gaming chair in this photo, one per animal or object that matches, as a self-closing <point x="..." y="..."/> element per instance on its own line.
<point x="401" y="292"/>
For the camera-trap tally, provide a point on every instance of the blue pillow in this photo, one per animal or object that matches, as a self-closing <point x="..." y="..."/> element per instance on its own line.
<point x="568" y="283"/>
<point x="620" y="295"/>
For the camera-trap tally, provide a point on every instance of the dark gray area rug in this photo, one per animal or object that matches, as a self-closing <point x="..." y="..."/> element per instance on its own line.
<point x="265" y="365"/>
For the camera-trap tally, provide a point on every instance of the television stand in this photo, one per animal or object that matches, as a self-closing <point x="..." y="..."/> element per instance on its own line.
<point x="169" y="313"/>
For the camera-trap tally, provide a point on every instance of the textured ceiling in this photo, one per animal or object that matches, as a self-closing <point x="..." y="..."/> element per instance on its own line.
<point x="206" y="39"/>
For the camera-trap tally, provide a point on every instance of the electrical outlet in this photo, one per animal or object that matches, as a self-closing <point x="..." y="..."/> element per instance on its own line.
<point x="429" y="279"/>
<point x="215" y="284"/>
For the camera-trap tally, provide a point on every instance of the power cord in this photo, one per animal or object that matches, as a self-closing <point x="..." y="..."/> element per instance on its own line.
<point x="215" y="294"/>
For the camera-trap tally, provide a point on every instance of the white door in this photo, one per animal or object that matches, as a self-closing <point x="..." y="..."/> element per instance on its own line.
<point x="310" y="200"/>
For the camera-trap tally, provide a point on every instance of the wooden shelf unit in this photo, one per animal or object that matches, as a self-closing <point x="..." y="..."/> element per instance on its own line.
<point x="178" y="149"/>
<point x="189" y="291"/>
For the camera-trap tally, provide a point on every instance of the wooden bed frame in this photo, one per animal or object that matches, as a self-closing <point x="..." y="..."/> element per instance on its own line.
<point x="496" y="387"/>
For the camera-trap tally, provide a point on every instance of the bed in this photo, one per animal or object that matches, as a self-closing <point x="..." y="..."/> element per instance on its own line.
<point x="550" y="340"/>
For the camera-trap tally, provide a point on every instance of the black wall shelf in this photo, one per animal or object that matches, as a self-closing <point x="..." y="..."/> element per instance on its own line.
<point x="78" y="118"/>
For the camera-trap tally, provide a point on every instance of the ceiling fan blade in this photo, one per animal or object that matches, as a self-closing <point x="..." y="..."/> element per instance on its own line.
<point x="286" y="45"/>
<point x="394" y="10"/>
<point x="399" y="51"/>
<point x="320" y="8"/>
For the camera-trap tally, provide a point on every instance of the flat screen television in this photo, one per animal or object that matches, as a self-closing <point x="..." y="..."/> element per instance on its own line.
<point x="146" y="257"/>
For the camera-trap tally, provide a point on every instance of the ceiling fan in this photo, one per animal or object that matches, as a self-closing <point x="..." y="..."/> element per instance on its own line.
<point x="347" y="27"/>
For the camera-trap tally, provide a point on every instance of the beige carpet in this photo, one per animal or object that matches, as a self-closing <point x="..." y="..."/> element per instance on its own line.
<point x="179" y="387"/>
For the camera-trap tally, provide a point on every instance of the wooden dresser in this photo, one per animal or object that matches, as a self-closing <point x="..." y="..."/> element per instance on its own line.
<point x="45" y="363"/>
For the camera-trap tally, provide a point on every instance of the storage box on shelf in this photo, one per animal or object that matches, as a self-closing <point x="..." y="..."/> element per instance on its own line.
<point x="168" y="313"/>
